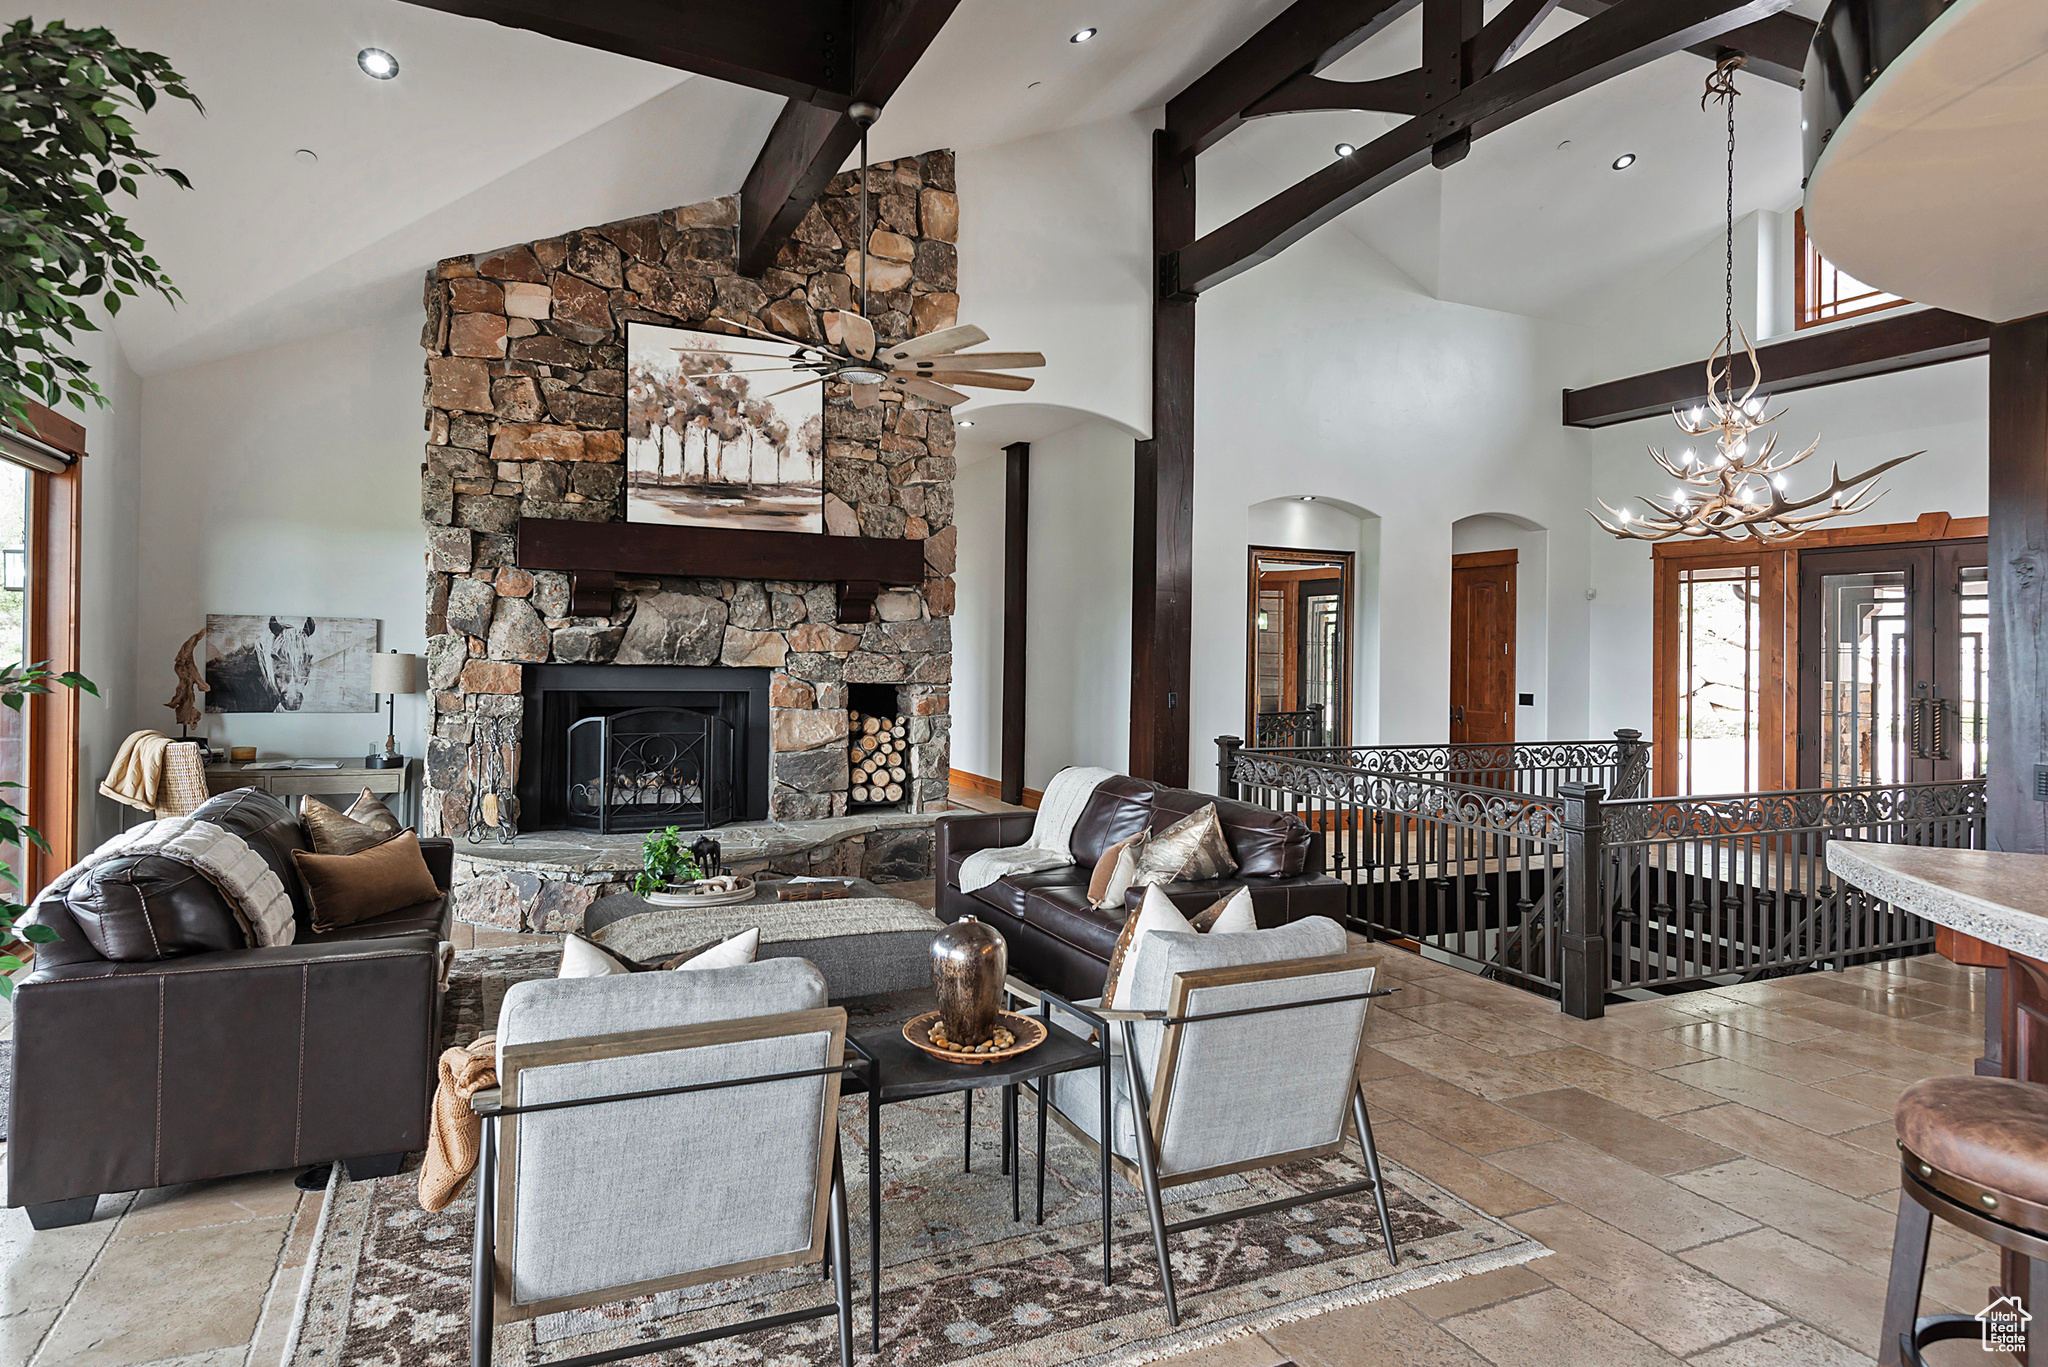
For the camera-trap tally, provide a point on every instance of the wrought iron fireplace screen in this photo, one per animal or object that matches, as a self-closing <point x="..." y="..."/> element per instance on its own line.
<point x="652" y="767"/>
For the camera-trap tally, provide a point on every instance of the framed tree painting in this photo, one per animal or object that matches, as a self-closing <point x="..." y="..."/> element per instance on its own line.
<point x="280" y="663"/>
<point x="722" y="431"/>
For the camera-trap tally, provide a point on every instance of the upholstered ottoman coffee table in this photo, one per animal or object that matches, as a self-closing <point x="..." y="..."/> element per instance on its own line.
<point x="865" y="944"/>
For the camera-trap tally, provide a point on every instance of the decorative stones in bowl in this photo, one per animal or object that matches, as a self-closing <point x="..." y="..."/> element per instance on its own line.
<point x="970" y="959"/>
<point x="1012" y="1035"/>
<point x="704" y="892"/>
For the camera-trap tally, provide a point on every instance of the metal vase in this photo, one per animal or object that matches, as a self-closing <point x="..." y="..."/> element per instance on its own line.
<point x="970" y="959"/>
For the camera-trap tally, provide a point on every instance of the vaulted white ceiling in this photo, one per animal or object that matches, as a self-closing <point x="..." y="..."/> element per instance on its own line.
<point x="492" y="135"/>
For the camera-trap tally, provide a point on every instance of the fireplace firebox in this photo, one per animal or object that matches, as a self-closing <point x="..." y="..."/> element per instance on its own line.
<point x="643" y="747"/>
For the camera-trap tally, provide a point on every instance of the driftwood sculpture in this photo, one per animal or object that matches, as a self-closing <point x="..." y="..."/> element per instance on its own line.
<point x="184" y="703"/>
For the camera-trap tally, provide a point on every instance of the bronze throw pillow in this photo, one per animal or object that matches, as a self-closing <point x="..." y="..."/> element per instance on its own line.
<point x="347" y="888"/>
<point x="1192" y="850"/>
<point x="372" y="812"/>
<point x="335" y="833"/>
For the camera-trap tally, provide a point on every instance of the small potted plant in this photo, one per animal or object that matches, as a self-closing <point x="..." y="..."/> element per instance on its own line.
<point x="665" y="860"/>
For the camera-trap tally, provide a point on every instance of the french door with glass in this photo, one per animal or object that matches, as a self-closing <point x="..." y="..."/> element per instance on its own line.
<point x="1892" y="664"/>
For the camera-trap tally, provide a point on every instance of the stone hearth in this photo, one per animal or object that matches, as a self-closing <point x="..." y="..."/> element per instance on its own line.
<point x="546" y="880"/>
<point x="527" y="417"/>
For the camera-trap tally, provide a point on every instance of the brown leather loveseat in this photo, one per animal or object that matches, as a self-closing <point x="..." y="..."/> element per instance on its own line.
<point x="151" y="1047"/>
<point x="1060" y="942"/>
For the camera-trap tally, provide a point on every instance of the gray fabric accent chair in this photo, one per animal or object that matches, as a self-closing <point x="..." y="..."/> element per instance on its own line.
<point x="1234" y="1052"/>
<point x="652" y="1131"/>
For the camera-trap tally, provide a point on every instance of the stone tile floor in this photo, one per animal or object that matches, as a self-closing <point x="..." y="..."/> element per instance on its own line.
<point x="1714" y="1173"/>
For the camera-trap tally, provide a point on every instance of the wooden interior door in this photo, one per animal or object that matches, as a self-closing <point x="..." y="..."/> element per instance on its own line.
<point x="1483" y="648"/>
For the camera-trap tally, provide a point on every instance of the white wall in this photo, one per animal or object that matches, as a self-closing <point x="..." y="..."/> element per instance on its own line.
<point x="285" y="481"/>
<point x="110" y="500"/>
<point x="1056" y="256"/>
<point x="1326" y="371"/>
<point x="1077" y="639"/>
<point x="977" y="697"/>
<point x="1485" y="532"/>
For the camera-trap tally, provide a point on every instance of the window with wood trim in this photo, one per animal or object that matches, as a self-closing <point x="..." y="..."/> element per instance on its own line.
<point x="1721" y="706"/>
<point x="1822" y="293"/>
<point x="39" y="556"/>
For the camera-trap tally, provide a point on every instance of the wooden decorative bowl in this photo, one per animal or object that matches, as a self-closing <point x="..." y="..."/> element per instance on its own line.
<point x="1029" y="1030"/>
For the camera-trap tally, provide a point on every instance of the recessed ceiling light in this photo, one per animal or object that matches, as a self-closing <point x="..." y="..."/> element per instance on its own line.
<point x="306" y="156"/>
<point x="1083" y="36"/>
<point x="1308" y="498"/>
<point x="1345" y="149"/>
<point x="375" y="61"/>
<point x="1624" y="161"/>
<point x="964" y="422"/>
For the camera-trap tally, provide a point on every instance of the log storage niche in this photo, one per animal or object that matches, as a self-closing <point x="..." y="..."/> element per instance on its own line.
<point x="879" y="751"/>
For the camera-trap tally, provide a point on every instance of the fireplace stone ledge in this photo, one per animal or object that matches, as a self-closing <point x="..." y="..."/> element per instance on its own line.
<point x="545" y="880"/>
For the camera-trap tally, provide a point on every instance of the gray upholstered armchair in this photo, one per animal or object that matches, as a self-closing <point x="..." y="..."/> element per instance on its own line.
<point x="660" y="1130"/>
<point x="1239" y="1052"/>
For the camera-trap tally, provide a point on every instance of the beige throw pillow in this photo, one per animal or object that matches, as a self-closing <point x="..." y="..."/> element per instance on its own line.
<point x="1192" y="850"/>
<point x="585" y="958"/>
<point x="1231" y="915"/>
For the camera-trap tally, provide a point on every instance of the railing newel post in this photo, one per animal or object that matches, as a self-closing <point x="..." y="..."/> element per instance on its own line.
<point x="1226" y="761"/>
<point x="1584" y="941"/>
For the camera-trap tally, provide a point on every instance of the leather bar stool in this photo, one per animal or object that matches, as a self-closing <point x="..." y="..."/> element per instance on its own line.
<point x="1974" y="1151"/>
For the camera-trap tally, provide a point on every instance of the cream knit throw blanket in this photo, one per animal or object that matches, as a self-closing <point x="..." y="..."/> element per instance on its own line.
<point x="222" y="858"/>
<point x="1058" y="812"/>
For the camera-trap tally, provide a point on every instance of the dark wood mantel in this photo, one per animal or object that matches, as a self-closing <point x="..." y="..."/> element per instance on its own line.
<point x="596" y="553"/>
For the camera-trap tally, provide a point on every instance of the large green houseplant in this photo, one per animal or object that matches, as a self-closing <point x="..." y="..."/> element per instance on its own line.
<point x="17" y="681"/>
<point x="65" y="147"/>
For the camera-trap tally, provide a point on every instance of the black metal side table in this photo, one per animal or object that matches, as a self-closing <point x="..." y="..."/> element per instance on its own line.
<point x="898" y="1070"/>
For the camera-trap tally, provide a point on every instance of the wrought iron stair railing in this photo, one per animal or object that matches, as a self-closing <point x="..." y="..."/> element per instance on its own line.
<point x="1515" y="861"/>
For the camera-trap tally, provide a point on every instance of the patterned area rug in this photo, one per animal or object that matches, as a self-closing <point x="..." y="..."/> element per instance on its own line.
<point x="388" y="1284"/>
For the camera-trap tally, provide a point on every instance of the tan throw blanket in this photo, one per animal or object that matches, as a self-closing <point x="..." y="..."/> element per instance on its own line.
<point x="136" y="776"/>
<point x="454" y="1131"/>
<point x="1052" y="832"/>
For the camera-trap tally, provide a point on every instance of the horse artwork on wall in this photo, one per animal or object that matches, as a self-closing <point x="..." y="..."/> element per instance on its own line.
<point x="278" y="663"/>
<point x="722" y="431"/>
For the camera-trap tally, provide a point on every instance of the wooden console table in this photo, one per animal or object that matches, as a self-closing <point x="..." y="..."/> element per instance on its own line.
<point x="347" y="780"/>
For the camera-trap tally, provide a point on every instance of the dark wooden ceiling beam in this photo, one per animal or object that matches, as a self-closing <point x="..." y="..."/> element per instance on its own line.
<point x="1631" y="34"/>
<point x="1776" y="46"/>
<point x="803" y="49"/>
<point x="1303" y="39"/>
<point x="1883" y="346"/>
<point x="809" y="144"/>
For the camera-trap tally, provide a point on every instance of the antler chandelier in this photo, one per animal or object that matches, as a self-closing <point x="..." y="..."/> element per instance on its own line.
<point x="1737" y="491"/>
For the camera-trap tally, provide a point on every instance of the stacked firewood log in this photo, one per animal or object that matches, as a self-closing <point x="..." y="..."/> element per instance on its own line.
<point x="880" y="748"/>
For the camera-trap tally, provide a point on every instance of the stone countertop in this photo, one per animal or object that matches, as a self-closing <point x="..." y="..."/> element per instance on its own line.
<point x="1999" y="898"/>
<point x="744" y="843"/>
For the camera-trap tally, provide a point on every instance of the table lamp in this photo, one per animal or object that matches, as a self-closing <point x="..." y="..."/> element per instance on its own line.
<point x="394" y="674"/>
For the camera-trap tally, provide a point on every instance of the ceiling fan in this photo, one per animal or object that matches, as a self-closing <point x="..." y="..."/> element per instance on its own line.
<point x="934" y="367"/>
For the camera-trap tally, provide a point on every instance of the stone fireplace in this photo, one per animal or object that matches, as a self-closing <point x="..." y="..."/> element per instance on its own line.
<point x="526" y="419"/>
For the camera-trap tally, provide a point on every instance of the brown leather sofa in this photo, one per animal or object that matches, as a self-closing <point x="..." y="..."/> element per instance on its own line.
<point x="150" y="1047"/>
<point x="1060" y="942"/>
